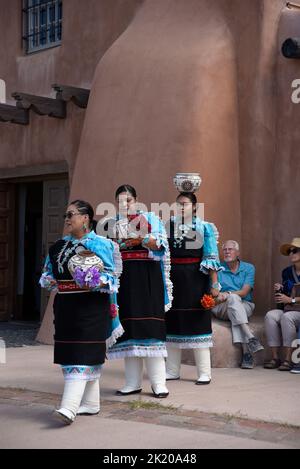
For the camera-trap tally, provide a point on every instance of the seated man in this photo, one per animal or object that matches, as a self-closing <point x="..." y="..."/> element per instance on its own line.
<point x="234" y="302"/>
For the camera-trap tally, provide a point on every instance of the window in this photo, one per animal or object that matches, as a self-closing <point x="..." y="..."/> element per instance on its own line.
<point x="42" y="24"/>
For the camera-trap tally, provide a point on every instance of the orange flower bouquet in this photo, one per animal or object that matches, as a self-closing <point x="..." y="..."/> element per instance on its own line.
<point x="208" y="302"/>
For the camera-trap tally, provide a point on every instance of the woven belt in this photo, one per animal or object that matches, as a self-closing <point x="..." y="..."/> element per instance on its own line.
<point x="68" y="286"/>
<point x="185" y="260"/>
<point x="135" y="255"/>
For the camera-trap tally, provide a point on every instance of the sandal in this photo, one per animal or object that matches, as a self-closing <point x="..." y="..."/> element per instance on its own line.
<point x="286" y="366"/>
<point x="272" y="364"/>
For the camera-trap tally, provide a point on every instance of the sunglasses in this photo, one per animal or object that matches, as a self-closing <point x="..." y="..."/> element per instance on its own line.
<point x="69" y="215"/>
<point x="294" y="250"/>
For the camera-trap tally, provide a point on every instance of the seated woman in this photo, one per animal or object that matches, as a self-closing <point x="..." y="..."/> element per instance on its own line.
<point x="282" y="323"/>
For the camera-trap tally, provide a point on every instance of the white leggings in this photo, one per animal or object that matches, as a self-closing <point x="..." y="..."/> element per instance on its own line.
<point x="202" y="359"/>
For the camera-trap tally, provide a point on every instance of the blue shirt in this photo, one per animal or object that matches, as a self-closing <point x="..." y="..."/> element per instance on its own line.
<point x="235" y="281"/>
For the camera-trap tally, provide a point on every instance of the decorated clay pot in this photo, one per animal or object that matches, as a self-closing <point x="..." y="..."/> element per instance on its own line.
<point x="187" y="182"/>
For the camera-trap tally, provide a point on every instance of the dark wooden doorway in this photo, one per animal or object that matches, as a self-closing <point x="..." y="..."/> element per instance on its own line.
<point x="31" y="219"/>
<point x="7" y="217"/>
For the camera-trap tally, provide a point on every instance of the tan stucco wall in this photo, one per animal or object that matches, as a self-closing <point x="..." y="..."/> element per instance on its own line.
<point x="196" y="85"/>
<point x="201" y="86"/>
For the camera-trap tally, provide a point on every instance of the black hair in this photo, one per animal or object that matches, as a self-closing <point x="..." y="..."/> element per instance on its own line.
<point x="191" y="196"/>
<point x="84" y="208"/>
<point x="126" y="188"/>
<point x="188" y="195"/>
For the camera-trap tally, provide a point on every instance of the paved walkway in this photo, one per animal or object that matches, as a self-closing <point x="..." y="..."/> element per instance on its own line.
<point x="240" y="408"/>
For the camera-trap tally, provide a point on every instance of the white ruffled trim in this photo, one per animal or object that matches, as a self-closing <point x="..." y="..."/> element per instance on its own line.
<point x="118" y="332"/>
<point x="117" y="260"/>
<point x="194" y="345"/>
<point x="133" y="351"/>
<point x="210" y="264"/>
<point x="166" y="260"/>
<point x="169" y="285"/>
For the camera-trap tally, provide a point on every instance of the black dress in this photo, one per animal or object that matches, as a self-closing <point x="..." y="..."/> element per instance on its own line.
<point x="141" y="301"/>
<point x="81" y="319"/>
<point x="188" y="323"/>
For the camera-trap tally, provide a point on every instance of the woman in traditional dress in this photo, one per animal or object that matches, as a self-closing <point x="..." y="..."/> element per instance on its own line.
<point x="86" y="320"/>
<point x="144" y="294"/>
<point x="194" y="266"/>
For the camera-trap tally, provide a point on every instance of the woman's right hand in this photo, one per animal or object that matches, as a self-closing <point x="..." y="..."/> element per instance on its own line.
<point x="278" y="287"/>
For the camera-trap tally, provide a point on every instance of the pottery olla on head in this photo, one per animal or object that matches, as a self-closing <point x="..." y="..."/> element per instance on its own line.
<point x="187" y="182"/>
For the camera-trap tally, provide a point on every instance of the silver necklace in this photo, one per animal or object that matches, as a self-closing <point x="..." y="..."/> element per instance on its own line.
<point x="184" y="230"/>
<point x="64" y="252"/>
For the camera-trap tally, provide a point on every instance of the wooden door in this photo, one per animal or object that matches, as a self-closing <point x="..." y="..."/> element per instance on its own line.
<point x="55" y="201"/>
<point x="7" y="281"/>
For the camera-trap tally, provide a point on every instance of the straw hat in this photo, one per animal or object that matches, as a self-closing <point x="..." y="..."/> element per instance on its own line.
<point x="285" y="248"/>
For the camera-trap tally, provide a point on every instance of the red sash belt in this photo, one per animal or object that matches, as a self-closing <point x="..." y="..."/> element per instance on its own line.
<point x="68" y="286"/>
<point x="185" y="260"/>
<point x="135" y="255"/>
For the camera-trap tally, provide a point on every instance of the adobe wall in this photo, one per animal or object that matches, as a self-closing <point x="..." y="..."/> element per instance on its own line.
<point x="202" y="86"/>
<point x="87" y="34"/>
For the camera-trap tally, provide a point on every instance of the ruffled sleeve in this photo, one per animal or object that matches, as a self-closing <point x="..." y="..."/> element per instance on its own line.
<point x="158" y="233"/>
<point x="110" y="254"/>
<point x="47" y="276"/>
<point x="210" y="259"/>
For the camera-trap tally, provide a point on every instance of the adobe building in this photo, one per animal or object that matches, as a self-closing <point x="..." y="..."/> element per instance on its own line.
<point x="145" y="89"/>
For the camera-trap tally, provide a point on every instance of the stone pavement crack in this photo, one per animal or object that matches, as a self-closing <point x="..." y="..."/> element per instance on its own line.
<point x="154" y="413"/>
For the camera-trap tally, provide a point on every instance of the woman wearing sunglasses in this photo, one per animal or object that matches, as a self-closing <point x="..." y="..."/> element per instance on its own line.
<point x="83" y="268"/>
<point x="282" y="324"/>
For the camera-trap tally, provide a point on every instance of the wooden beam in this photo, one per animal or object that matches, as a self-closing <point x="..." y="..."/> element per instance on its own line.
<point x="36" y="171"/>
<point x="79" y="96"/>
<point x="13" y="114"/>
<point x="41" y="105"/>
<point x="292" y="5"/>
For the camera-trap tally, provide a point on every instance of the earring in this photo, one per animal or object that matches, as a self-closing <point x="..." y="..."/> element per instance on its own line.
<point x="84" y="227"/>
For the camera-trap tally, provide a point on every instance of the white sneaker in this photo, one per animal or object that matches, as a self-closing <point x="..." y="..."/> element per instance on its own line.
<point x="204" y="379"/>
<point x="65" y="416"/>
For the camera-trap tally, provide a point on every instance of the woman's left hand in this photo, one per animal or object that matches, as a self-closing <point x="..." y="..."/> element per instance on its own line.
<point x="281" y="298"/>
